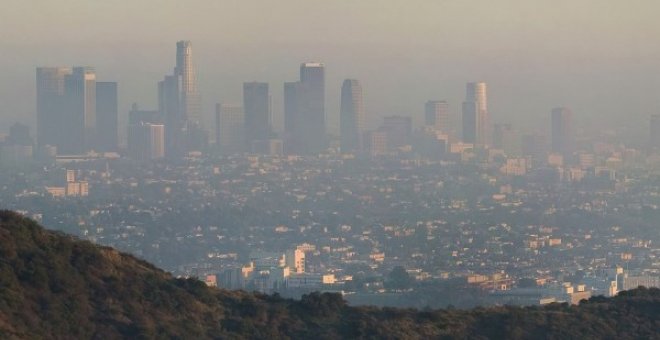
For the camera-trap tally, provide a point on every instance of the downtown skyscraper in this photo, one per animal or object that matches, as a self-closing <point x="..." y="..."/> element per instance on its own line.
<point x="107" y="117"/>
<point x="436" y="115"/>
<point x="229" y="128"/>
<point x="476" y="122"/>
<point x="304" y="111"/>
<point x="180" y="104"/>
<point x="256" y="104"/>
<point x="191" y="104"/>
<point x="66" y="109"/>
<point x="352" y="116"/>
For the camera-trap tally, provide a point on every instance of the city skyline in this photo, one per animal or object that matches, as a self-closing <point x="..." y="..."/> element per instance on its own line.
<point x="74" y="90"/>
<point x="310" y="168"/>
<point x="530" y="74"/>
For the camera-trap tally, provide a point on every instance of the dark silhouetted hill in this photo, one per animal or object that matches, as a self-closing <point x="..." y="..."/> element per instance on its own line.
<point x="53" y="286"/>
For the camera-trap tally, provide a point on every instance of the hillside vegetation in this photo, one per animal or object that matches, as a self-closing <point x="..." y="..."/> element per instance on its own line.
<point x="53" y="286"/>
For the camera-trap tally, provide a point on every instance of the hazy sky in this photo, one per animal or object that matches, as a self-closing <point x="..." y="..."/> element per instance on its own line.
<point x="599" y="57"/>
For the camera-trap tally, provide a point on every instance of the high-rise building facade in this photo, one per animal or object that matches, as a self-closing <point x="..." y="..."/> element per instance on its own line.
<point x="476" y="121"/>
<point x="51" y="108"/>
<point x="190" y="98"/>
<point x="106" y="117"/>
<point x="146" y="134"/>
<point x="352" y="116"/>
<point x="256" y="103"/>
<point x="562" y="134"/>
<point x="81" y="93"/>
<point x="293" y="118"/>
<point x="436" y="115"/>
<point x="146" y="141"/>
<point x="304" y="106"/>
<point x="230" y="128"/>
<point x="180" y="104"/>
<point x="66" y="108"/>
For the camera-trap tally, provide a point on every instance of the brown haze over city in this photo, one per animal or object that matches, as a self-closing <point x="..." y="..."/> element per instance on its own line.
<point x="590" y="55"/>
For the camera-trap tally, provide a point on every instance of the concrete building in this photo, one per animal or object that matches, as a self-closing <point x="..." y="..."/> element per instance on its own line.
<point x="352" y="117"/>
<point x="51" y="105"/>
<point x="436" y="115"/>
<point x="107" y="116"/>
<point x="476" y="121"/>
<point x="230" y="128"/>
<point x="66" y="108"/>
<point x="304" y="111"/>
<point x="180" y="105"/>
<point x="146" y="141"/>
<point x="295" y="259"/>
<point x="257" y="106"/>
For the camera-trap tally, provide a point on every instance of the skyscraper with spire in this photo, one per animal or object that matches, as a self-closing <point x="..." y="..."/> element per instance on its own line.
<point x="180" y="105"/>
<point x="352" y="116"/>
<point x="476" y="121"/>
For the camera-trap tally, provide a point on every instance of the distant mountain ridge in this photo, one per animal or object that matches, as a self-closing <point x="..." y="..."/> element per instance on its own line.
<point x="53" y="286"/>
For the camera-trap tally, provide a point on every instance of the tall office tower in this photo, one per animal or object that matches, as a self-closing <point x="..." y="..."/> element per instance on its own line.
<point x="293" y="110"/>
<point x="256" y="101"/>
<point x="146" y="141"/>
<point x="304" y="104"/>
<point x="312" y="76"/>
<point x="351" y="117"/>
<point x="654" y="131"/>
<point x="51" y="105"/>
<point x="190" y="98"/>
<point x="436" y="115"/>
<point x="66" y="108"/>
<point x="398" y="130"/>
<point x="180" y="104"/>
<point x="80" y="88"/>
<point x="169" y="105"/>
<point x="146" y="134"/>
<point x="106" y="116"/>
<point x="562" y="134"/>
<point x="475" y="115"/>
<point x="229" y="128"/>
<point x="136" y="115"/>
